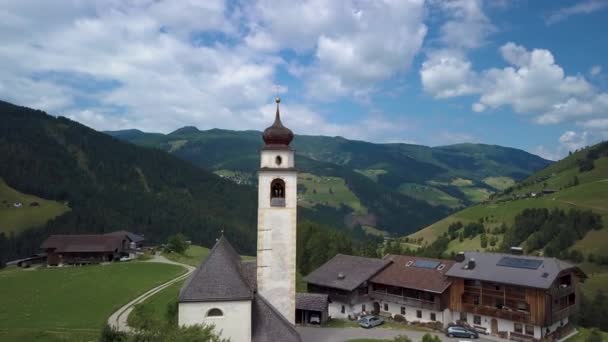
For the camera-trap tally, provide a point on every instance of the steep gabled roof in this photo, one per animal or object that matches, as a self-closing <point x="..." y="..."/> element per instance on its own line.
<point x="218" y="277"/>
<point x="269" y="325"/>
<point x="487" y="268"/>
<point x="83" y="243"/>
<point x="403" y="272"/>
<point x="346" y="272"/>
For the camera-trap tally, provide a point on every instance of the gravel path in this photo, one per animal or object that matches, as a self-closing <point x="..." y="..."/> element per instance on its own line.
<point x="118" y="319"/>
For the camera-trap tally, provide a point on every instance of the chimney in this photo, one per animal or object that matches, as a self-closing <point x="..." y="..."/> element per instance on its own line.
<point x="459" y="257"/>
<point x="471" y="264"/>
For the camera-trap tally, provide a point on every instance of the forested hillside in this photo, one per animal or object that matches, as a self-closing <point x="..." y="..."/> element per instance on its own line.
<point x="561" y="210"/>
<point x="111" y="185"/>
<point x="385" y="188"/>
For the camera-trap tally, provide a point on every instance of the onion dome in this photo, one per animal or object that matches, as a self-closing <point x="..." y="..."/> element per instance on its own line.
<point x="277" y="135"/>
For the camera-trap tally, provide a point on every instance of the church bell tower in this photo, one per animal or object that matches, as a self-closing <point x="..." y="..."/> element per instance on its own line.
<point x="277" y="217"/>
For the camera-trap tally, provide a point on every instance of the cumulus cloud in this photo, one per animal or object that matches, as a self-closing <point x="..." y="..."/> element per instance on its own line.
<point x="353" y="44"/>
<point x="533" y="83"/>
<point x="595" y="70"/>
<point x="583" y="7"/>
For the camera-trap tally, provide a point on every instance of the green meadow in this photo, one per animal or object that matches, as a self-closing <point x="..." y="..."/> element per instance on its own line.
<point x="71" y="303"/>
<point x="14" y="219"/>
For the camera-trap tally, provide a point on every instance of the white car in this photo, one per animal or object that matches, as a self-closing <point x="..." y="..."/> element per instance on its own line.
<point x="125" y="258"/>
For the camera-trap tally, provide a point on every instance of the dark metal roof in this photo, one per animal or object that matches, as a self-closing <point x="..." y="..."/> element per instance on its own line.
<point x="218" y="277"/>
<point x="133" y="237"/>
<point x="269" y="325"/>
<point x="346" y="272"/>
<point x="312" y="301"/>
<point x="83" y="243"/>
<point x="488" y="268"/>
<point x="415" y="273"/>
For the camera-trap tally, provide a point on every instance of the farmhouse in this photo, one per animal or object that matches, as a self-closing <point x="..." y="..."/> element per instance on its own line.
<point x="511" y="296"/>
<point x="519" y="297"/>
<point x="254" y="300"/>
<point x="90" y="248"/>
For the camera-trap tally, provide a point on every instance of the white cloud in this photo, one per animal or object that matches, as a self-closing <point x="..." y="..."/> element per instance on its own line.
<point x="354" y="44"/>
<point x="595" y="124"/>
<point x="533" y="83"/>
<point x="573" y="141"/>
<point x="595" y="70"/>
<point x="583" y="7"/>
<point x="467" y="26"/>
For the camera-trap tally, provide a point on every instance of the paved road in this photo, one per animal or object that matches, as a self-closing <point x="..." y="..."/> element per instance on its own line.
<point x="316" y="334"/>
<point x="119" y="318"/>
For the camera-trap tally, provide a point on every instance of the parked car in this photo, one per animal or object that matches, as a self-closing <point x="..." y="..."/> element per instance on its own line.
<point x="126" y="258"/>
<point x="460" y="331"/>
<point x="370" y="321"/>
<point x="314" y="319"/>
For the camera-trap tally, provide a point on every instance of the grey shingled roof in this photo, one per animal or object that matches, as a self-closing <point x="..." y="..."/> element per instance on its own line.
<point x="132" y="236"/>
<point x="312" y="301"/>
<point x="355" y="269"/>
<point x="269" y="325"/>
<point x="218" y="277"/>
<point x="486" y="269"/>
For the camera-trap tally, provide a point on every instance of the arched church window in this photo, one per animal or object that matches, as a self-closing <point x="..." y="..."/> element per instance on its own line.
<point x="215" y="312"/>
<point x="277" y="193"/>
<point x="278" y="160"/>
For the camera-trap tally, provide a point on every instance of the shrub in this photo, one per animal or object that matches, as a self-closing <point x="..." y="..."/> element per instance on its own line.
<point x="402" y="338"/>
<point x="430" y="338"/>
<point x="110" y="334"/>
<point x="399" y="319"/>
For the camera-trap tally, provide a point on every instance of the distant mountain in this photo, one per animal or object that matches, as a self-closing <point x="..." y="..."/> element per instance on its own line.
<point x="394" y="188"/>
<point x="112" y="185"/>
<point x="579" y="181"/>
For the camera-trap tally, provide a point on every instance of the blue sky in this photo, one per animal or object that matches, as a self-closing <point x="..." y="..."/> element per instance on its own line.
<point x="526" y="74"/>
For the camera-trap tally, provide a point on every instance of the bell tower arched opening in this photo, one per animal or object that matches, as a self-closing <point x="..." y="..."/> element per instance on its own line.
<point x="277" y="193"/>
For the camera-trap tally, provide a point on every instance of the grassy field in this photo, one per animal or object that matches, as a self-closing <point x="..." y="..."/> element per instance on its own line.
<point x="499" y="183"/>
<point x="73" y="302"/>
<point x="429" y="194"/>
<point x="372" y="173"/>
<point x="193" y="255"/>
<point x="583" y="334"/>
<point x="329" y="191"/>
<point x="27" y="216"/>
<point x="159" y="303"/>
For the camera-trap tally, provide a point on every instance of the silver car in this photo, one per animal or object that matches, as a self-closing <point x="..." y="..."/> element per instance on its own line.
<point x="370" y="321"/>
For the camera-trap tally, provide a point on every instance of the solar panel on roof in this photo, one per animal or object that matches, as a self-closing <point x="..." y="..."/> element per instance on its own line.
<point x="530" y="264"/>
<point x="426" y="264"/>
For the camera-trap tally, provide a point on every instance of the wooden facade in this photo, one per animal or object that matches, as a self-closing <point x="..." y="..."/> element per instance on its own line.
<point x="539" y="307"/>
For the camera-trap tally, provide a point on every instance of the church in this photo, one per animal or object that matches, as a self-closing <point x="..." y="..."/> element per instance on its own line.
<point x="254" y="300"/>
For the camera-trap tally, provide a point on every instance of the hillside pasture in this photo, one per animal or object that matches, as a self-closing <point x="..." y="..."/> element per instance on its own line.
<point x="429" y="194"/>
<point x="329" y="191"/>
<point x="34" y="211"/>
<point x="71" y="303"/>
<point x="499" y="183"/>
<point x="192" y="256"/>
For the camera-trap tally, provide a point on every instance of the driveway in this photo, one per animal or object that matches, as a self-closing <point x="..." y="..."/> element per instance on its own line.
<point x="118" y="319"/>
<point x="316" y="334"/>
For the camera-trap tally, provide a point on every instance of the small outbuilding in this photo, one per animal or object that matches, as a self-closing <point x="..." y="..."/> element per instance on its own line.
<point x="312" y="308"/>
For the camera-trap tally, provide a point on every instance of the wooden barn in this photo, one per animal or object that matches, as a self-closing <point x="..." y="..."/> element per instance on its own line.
<point x="90" y="248"/>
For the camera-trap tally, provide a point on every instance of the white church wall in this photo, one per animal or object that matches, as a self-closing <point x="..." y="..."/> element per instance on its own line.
<point x="269" y="158"/>
<point x="235" y="323"/>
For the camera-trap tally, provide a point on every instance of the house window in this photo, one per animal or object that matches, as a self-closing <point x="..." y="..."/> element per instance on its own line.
<point x="477" y="319"/>
<point x="215" y="312"/>
<point x="463" y="316"/>
<point x="363" y="307"/>
<point x="419" y="313"/>
<point x="433" y="317"/>
<point x="518" y="328"/>
<point x="403" y="310"/>
<point x="385" y="307"/>
<point x="522" y="306"/>
<point x="476" y="299"/>
<point x="342" y="310"/>
<point x="530" y="330"/>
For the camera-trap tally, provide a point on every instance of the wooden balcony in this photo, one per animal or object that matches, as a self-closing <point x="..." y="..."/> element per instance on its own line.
<point x="558" y="292"/>
<point x="512" y="315"/>
<point x="407" y="301"/>
<point x="563" y="313"/>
